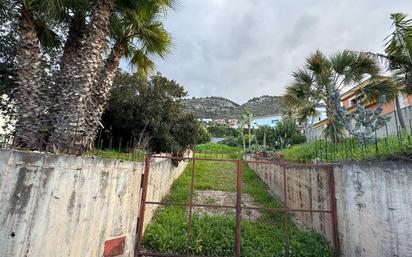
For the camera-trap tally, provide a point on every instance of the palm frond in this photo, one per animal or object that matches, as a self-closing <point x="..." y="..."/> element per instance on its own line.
<point x="142" y="62"/>
<point x="378" y="87"/>
<point x="47" y="37"/>
<point x="318" y="62"/>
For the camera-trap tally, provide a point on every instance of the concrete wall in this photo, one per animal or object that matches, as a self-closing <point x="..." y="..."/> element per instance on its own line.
<point x="374" y="204"/>
<point x="54" y="206"/>
<point x="374" y="201"/>
<point x="307" y="189"/>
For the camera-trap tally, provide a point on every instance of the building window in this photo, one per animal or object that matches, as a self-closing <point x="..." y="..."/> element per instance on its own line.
<point x="353" y="101"/>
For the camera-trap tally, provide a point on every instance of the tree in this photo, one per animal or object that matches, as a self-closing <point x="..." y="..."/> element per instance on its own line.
<point x="70" y="121"/>
<point x="76" y="111"/>
<point x="321" y="78"/>
<point x="398" y="55"/>
<point x="246" y="120"/>
<point x="152" y="112"/>
<point x="284" y="134"/>
<point x="263" y="134"/>
<point x="32" y="93"/>
<point x="137" y="34"/>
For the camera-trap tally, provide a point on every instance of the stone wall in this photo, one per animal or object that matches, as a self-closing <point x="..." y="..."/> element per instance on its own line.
<point x="374" y="204"/>
<point x="53" y="205"/>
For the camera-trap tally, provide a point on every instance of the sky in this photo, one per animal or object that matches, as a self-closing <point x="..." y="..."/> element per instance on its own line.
<point x="240" y="49"/>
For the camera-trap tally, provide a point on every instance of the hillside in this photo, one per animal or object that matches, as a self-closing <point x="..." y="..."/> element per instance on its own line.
<point x="222" y="108"/>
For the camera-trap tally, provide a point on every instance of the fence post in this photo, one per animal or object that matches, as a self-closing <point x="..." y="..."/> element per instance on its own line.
<point x="238" y="206"/>
<point x="192" y="188"/>
<point x="140" y="219"/>
<point x="286" y="213"/>
<point x="335" y="231"/>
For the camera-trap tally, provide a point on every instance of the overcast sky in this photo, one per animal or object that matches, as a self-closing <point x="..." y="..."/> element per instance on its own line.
<point x="240" y="49"/>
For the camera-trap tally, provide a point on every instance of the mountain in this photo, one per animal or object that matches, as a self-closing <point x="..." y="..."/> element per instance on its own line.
<point x="222" y="108"/>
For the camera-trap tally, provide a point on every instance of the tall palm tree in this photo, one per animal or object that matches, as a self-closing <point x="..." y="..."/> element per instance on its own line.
<point x="137" y="35"/>
<point x="71" y="128"/>
<point x="70" y="125"/>
<point x="321" y="79"/>
<point x="31" y="97"/>
<point x="241" y="125"/>
<point x="398" y="56"/>
<point x="247" y="119"/>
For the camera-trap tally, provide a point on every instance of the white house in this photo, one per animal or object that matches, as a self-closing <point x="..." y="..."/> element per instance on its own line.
<point x="268" y="120"/>
<point x="321" y="109"/>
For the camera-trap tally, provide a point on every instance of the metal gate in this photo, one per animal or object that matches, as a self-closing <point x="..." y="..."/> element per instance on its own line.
<point x="287" y="183"/>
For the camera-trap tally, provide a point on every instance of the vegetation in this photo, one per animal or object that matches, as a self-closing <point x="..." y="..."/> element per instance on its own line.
<point x="151" y="113"/>
<point x="221" y="130"/>
<point x="60" y="108"/>
<point x="350" y="149"/>
<point x="323" y="79"/>
<point x="246" y="121"/>
<point x="398" y="57"/>
<point x="215" y="235"/>
<point x="285" y="134"/>
<point x="133" y="155"/>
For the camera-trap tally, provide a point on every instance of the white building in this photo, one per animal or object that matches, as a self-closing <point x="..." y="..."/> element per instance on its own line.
<point x="268" y="120"/>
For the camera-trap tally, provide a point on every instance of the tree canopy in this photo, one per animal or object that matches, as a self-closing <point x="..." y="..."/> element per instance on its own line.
<point x="151" y="112"/>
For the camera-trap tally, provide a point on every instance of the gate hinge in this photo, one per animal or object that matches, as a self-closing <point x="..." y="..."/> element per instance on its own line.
<point x="142" y="181"/>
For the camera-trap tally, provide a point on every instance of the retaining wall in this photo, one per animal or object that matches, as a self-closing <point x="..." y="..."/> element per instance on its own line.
<point x="53" y="205"/>
<point x="374" y="201"/>
<point x="307" y="189"/>
<point x="374" y="204"/>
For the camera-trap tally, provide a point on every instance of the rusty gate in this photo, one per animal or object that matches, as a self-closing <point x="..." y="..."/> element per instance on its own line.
<point x="306" y="194"/>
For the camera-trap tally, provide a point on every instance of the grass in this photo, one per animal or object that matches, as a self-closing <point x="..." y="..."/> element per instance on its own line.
<point x="217" y="151"/>
<point x="137" y="155"/>
<point x="215" y="235"/>
<point x="351" y="149"/>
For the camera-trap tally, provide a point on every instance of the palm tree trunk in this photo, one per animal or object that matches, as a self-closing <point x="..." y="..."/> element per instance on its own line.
<point x="249" y="139"/>
<point x="72" y="46"/>
<point x="399" y="112"/>
<point x="101" y="89"/>
<point x="243" y="138"/>
<point x="29" y="97"/>
<point x="71" y="128"/>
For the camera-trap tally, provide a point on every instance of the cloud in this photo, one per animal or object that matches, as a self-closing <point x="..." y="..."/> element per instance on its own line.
<point x="242" y="49"/>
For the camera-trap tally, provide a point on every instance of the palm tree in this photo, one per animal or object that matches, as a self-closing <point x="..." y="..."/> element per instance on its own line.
<point x="241" y="126"/>
<point x="70" y="125"/>
<point x="321" y="79"/>
<point x="247" y="119"/>
<point x="71" y="128"/>
<point x="31" y="98"/>
<point x="137" y="35"/>
<point x="398" y="55"/>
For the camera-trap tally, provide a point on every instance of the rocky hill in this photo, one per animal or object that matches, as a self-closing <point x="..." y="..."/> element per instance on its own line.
<point x="222" y="108"/>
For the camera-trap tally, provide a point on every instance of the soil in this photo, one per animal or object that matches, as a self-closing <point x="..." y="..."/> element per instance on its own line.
<point x="212" y="197"/>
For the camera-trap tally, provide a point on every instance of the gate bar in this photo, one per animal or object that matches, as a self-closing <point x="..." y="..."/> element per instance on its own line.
<point x="238" y="206"/>
<point x="286" y="213"/>
<point x="334" y="213"/>
<point x="192" y="188"/>
<point x="243" y="207"/>
<point x="140" y="219"/>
